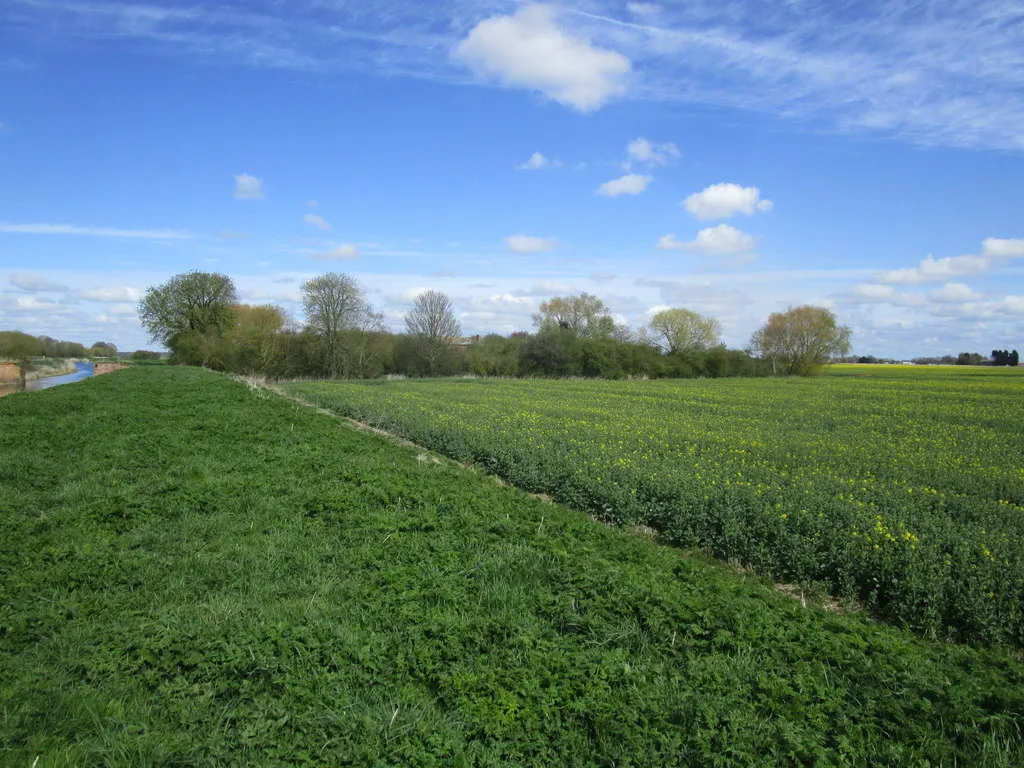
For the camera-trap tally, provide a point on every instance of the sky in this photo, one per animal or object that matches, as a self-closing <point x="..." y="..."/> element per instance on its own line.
<point x="727" y="156"/>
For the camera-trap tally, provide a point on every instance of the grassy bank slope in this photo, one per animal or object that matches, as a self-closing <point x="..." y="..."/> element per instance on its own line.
<point x="196" y="574"/>
<point x="901" y="486"/>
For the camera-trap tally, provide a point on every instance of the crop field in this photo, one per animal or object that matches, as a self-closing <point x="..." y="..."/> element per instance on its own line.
<point x="196" y="573"/>
<point x="897" y="486"/>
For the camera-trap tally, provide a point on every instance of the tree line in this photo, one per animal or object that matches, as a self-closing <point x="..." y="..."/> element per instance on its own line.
<point x="198" y="317"/>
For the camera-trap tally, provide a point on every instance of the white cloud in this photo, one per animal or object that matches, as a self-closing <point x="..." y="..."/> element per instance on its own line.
<point x="26" y="303"/>
<point x="71" y="229"/>
<point x="932" y="270"/>
<point x="722" y="240"/>
<point x="113" y="293"/>
<point x="874" y="292"/>
<point x="343" y="252"/>
<point x="231" y="234"/>
<point x="1012" y="304"/>
<point x="529" y="50"/>
<point x="898" y="69"/>
<point x="312" y="203"/>
<point x="643" y="9"/>
<point x="722" y="201"/>
<point x="630" y="184"/>
<point x="124" y="310"/>
<point x="528" y="244"/>
<point x="954" y="293"/>
<point x="537" y="162"/>
<point x="316" y="221"/>
<point x="1003" y="248"/>
<point x="36" y="283"/>
<point x="248" y="187"/>
<point x="644" y="151"/>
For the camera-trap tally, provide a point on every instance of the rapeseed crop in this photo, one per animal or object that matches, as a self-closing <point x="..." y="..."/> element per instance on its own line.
<point x="899" y="487"/>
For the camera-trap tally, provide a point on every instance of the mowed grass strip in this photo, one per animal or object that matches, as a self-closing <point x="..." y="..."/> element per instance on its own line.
<point x="195" y="573"/>
<point x="901" y="487"/>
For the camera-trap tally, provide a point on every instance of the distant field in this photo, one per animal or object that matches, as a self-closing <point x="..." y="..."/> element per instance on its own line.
<point x="900" y="486"/>
<point x="193" y="573"/>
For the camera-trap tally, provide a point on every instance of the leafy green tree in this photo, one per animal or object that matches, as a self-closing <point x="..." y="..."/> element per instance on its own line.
<point x="585" y="316"/>
<point x="682" y="331"/>
<point x="800" y="340"/>
<point x="193" y="304"/>
<point x="969" y="358"/>
<point x="20" y="348"/>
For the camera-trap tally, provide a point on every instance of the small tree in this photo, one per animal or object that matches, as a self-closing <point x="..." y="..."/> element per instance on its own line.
<point x="432" y="325"/>
<point x="585" y="316"/>
<point x="800" y="340"/>
<point x="682" y="331"/>
<point x="193" y="304"/>
<point x="338" y="313"/>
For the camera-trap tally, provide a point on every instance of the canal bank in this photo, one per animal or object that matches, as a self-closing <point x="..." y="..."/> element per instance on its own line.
<point x="79" y="370"/>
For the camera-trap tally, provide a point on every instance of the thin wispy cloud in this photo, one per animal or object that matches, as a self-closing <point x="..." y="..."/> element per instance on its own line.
<point x="316" y="221"/>
<point x="72" y="229"/>
<point x="948" y="74"/>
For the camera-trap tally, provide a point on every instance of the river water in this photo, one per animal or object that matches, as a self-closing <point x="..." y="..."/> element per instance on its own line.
<point x="82" y="371"/>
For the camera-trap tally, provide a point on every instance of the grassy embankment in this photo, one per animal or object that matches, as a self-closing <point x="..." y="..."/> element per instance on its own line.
<point x="901" y="487"/>
<point x="193" y="573"/>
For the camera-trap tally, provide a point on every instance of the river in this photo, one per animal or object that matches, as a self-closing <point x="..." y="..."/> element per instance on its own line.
<point x="82" y="371"/>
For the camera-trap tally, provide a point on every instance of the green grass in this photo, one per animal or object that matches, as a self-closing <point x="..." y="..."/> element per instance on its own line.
<point x="194" y="573"/>
<point x="898" y="486"/>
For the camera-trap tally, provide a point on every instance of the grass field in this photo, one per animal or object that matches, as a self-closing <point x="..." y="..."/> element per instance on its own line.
<point x="897" y="486"/>
<point x="195" y="573"/>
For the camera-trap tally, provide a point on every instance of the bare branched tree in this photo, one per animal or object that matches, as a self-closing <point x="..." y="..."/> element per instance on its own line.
<point x="336" y="311"/>
<point x="432" y="323"/>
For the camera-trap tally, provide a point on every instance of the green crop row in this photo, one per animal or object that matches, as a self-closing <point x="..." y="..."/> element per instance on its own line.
<point x="901" y="488"/>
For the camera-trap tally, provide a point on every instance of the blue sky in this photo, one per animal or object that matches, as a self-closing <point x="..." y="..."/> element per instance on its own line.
<point x="728" y="157"/>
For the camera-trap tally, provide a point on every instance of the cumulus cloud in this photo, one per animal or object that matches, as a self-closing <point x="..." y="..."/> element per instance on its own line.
<point x="538" y="162"/>
<point x="722" y="201"/>
<point x="1012" y="304"/>
<point x="343" y="252"/>
<point x="248" y="187"/>
<point x="529" y="50"/>
<point x="874" y="292"/>
<point x="316" y="221"/>
<point x="954" y="293"/>
<point x="112" y="293"/>
<point x="36" y="283"/>
<point x="1000" y="248"/>
<point x="932" y="270"/>
<point x="722" y="240"/>
<point x="528" y="244"/>
<point x="630" y="184"/>
<point x="644" y="151"/>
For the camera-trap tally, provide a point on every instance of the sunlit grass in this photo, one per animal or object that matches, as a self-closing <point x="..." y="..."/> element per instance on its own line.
<point x="193" y="573"/>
